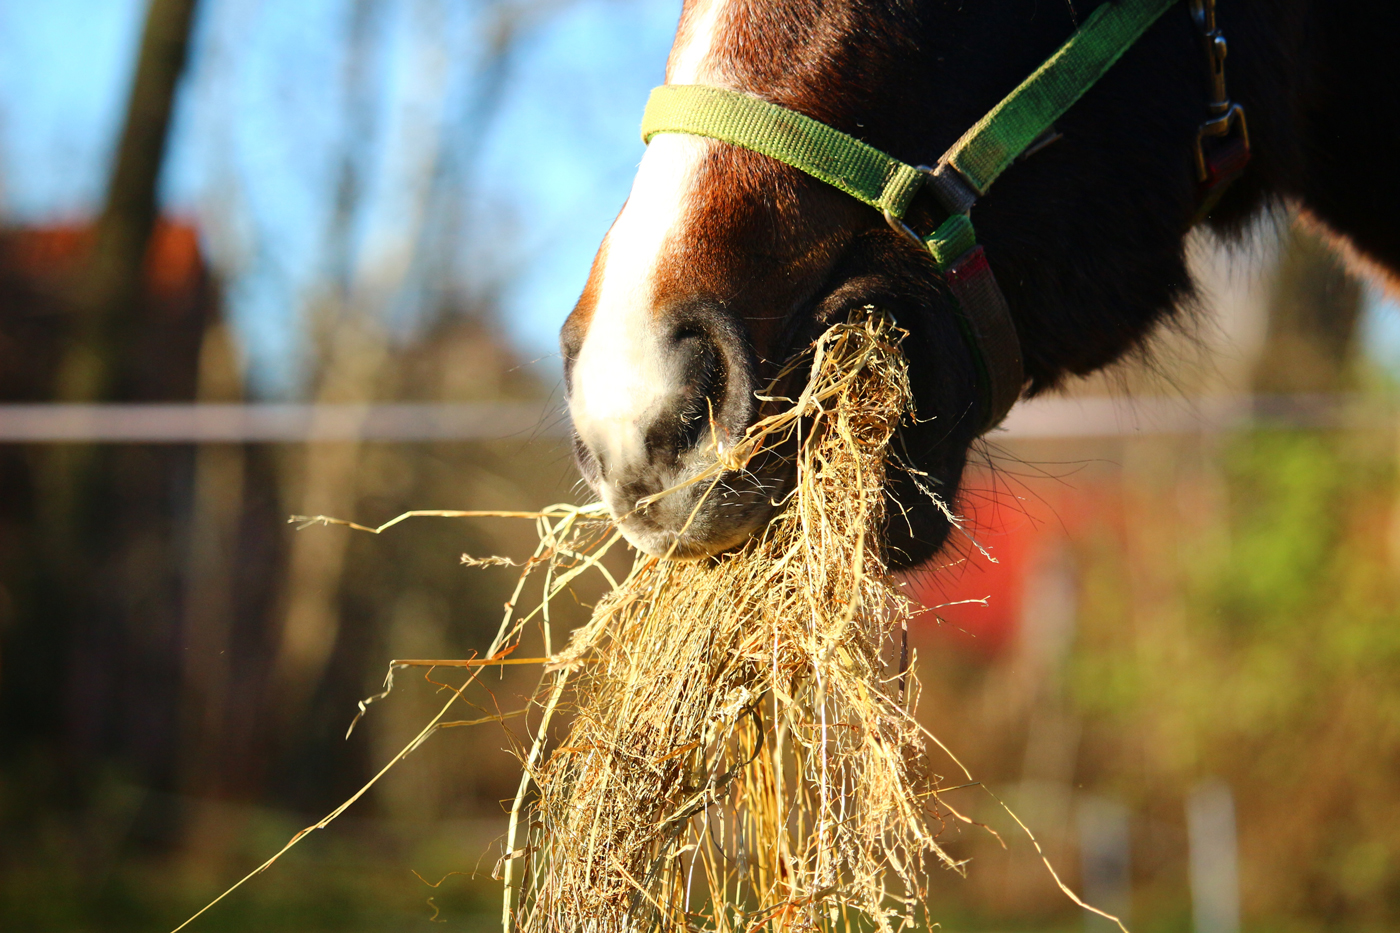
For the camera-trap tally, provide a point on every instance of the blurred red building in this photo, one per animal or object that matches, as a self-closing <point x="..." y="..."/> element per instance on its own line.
<point x="41" y="282"/>
<point x="1016" y="554"/>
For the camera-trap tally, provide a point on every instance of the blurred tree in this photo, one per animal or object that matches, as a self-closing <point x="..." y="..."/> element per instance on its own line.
<point x="354" y="360"/>
<point x="129" y="310"/>
<point x="99" y="360"/>
<point x="92" y="368"/>
<point x="158" y="692"/>
<point x="350" y="361"/>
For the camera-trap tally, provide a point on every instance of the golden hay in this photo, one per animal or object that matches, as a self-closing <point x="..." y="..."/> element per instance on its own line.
<point x="743" y="752"/>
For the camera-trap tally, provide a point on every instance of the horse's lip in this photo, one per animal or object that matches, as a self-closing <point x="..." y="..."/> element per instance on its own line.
<point x="677" y="544"/>
<point x="672" y="545"/>
<point x="737" y="504"/>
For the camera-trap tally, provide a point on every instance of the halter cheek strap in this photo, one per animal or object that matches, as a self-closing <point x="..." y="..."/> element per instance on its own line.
<point x="964" y="173"/>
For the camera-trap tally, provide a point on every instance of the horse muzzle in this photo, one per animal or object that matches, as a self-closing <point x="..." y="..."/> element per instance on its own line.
<point x="654" y="408"/>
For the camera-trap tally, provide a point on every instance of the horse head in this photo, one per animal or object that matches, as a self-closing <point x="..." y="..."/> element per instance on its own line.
<point x="724" y="262"/>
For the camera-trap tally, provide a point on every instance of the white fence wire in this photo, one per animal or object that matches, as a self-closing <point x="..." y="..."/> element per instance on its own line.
<point x="291" y="422"/>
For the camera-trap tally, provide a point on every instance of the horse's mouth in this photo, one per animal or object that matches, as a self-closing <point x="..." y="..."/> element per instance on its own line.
<point x="684" y="543"/>
<point x="701" y="518"/>
<point x="679" y="507"/>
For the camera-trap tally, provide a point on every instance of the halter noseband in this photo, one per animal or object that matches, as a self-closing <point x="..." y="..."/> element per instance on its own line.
<point x="1021" y="123"/>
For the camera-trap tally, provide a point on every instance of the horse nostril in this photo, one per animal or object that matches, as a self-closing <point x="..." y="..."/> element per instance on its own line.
<point x="704" y="405"/>
<point x="570" y="345"/>
<point x="699" y="377"/>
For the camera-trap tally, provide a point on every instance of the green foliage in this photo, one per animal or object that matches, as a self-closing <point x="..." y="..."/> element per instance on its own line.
<point x="1255" y="635"/>
<point x="355" y="879"/>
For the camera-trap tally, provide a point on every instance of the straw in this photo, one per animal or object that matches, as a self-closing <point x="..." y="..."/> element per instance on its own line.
<point x="743" y="753"/>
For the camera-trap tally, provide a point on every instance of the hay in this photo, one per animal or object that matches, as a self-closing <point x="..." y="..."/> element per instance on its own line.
<point x="743" y="753"/>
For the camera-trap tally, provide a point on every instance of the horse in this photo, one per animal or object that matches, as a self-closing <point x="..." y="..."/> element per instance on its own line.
<point x="724" y="262"/>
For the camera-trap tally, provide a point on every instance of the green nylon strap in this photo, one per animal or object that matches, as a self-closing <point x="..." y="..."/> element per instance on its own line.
<point x="952" y="238"/>
<point x="842" y="161"/>
<point x="998" y="138"/>
<point x="870" y="175"/>
<point x="890" y="185"/>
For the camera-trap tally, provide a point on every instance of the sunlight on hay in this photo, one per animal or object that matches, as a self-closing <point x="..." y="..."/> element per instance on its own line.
<point x="743" y="747"/>
<point x="741" y="750"/>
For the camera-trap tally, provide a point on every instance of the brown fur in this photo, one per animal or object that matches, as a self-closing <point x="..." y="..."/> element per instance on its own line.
<point x="1086" y="237"/>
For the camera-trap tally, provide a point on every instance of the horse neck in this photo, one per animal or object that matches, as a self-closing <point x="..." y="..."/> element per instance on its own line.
<point x="1088" y="283"/>
<point x="1318" y="80"/>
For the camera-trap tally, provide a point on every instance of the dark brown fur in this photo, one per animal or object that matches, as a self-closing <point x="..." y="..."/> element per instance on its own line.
<point x="1086" y="237"/>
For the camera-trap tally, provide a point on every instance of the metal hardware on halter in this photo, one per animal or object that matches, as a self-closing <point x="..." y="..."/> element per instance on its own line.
<point x="1230" y="126"/>
<point x="903" y="229"/>
<point x="1222" y="142"/>
<point x="1021" y="122"/>
<point x="1203" y="13"/>
<point x="982" y="312"/>
<point x="953" y="193"/>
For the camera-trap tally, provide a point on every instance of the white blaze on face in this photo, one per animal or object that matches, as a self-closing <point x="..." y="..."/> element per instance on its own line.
<point x="620" y="381"/>
<point x="691" y="61"/>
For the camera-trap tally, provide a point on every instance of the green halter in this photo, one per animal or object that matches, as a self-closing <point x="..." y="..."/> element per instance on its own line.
<point x="964" y="173"/>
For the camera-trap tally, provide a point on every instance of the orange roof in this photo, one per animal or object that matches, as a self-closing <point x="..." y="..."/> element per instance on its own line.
<point x="173" y="260"/>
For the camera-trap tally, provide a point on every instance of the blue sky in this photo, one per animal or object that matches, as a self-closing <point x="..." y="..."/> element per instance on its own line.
<point x="261" y="128"/>
<point x="532" y="182"/>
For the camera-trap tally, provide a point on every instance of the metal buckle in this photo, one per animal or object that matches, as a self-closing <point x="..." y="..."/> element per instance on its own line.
<point x="1226" y="117"/>
<point x="904" y="230"/>
<point x="948" y="187"/>
<point x="1229" y="123"/>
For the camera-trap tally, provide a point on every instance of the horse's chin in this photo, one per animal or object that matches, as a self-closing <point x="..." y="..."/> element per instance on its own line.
<point x="700" y="521"/>
<point x="679" y="546"/>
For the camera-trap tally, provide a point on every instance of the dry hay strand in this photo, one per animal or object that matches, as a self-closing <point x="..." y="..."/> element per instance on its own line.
<point x="744" y="753"/>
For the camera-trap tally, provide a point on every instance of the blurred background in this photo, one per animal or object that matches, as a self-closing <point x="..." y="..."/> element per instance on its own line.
<point x="348" y="230"/>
